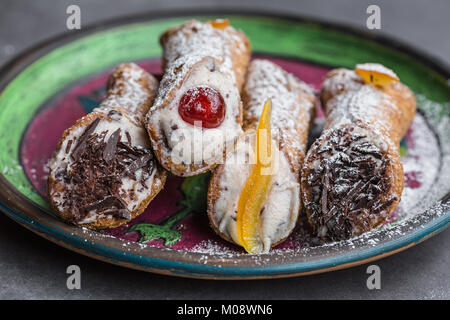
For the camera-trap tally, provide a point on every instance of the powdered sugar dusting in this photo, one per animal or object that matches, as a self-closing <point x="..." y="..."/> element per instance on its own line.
<point x="435" y="115"/>
<point x="364" y="104"/>
<point x="128" y="92"/>
<point x="421" y="163"/>
<point x="291" y="106"/>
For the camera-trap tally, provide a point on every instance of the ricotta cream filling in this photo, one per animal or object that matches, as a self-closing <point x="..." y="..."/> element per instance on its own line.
<point x="139" y="139"/>
<point x="190" y="144"/>
<point x="281" y="209"/>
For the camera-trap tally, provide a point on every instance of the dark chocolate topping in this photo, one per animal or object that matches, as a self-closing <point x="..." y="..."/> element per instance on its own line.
<point x="95" y="177"/>
<point x="349" y="189"/>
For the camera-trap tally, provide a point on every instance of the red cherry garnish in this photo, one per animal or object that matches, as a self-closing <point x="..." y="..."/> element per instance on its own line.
<point x="203" y="104"/>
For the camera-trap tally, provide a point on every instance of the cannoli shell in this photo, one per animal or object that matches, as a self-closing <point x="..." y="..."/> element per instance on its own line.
<point x="348" y="104"/>
<point x="118" y="87"/>
<point x="293" y="135"/>
<point x="105" y="222"/>
<point x="240" y="51"/>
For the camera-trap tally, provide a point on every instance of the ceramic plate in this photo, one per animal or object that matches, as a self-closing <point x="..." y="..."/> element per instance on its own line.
<point x="47" y="88"/>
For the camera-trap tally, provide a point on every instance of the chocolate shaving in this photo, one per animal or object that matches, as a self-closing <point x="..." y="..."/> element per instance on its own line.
<point x="326" y="186"/>
<point x="114" y="113"/>
<point x="136" y="165"/>
<point x="106" y="203"/>
<point x="83" y="138"/>
<point x="128" y="137"/>
<point x="126" y="147"/>
<point x="119" y="213"/>
<point x="69" y="144"/>
<point x="110" y="149"/>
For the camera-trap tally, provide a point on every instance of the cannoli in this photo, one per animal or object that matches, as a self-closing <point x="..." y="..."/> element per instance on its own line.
<point x="103" y="172"/>
<point x="352" y="178"/>
<point x="234" y="182"/>
<point x="197" y="113"/>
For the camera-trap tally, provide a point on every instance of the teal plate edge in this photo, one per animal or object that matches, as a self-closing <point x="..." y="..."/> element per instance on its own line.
<point x="206" y="271"/>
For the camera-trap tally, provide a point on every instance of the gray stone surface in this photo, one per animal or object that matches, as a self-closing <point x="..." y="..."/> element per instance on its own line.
<point x="33" y="268"/>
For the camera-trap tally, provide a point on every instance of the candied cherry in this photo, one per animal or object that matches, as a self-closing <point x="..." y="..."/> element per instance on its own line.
<point x="203" y="104"/>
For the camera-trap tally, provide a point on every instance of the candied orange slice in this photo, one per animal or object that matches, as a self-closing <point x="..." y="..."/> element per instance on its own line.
<point x="256" y="188"/>
<point x="376" y="74"/>
<point x="220" y="23"/>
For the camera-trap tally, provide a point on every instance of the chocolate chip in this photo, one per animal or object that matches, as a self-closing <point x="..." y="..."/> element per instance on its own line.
<point x="69" y="144"/>
<point x="211" y="65"/>
<point x="113" y="112"/>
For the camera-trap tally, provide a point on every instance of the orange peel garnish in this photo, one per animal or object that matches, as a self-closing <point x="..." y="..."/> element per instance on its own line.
<point x="256" y="188"/>
<point x="220" y="23"/>
<point x="376" y="74"/>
